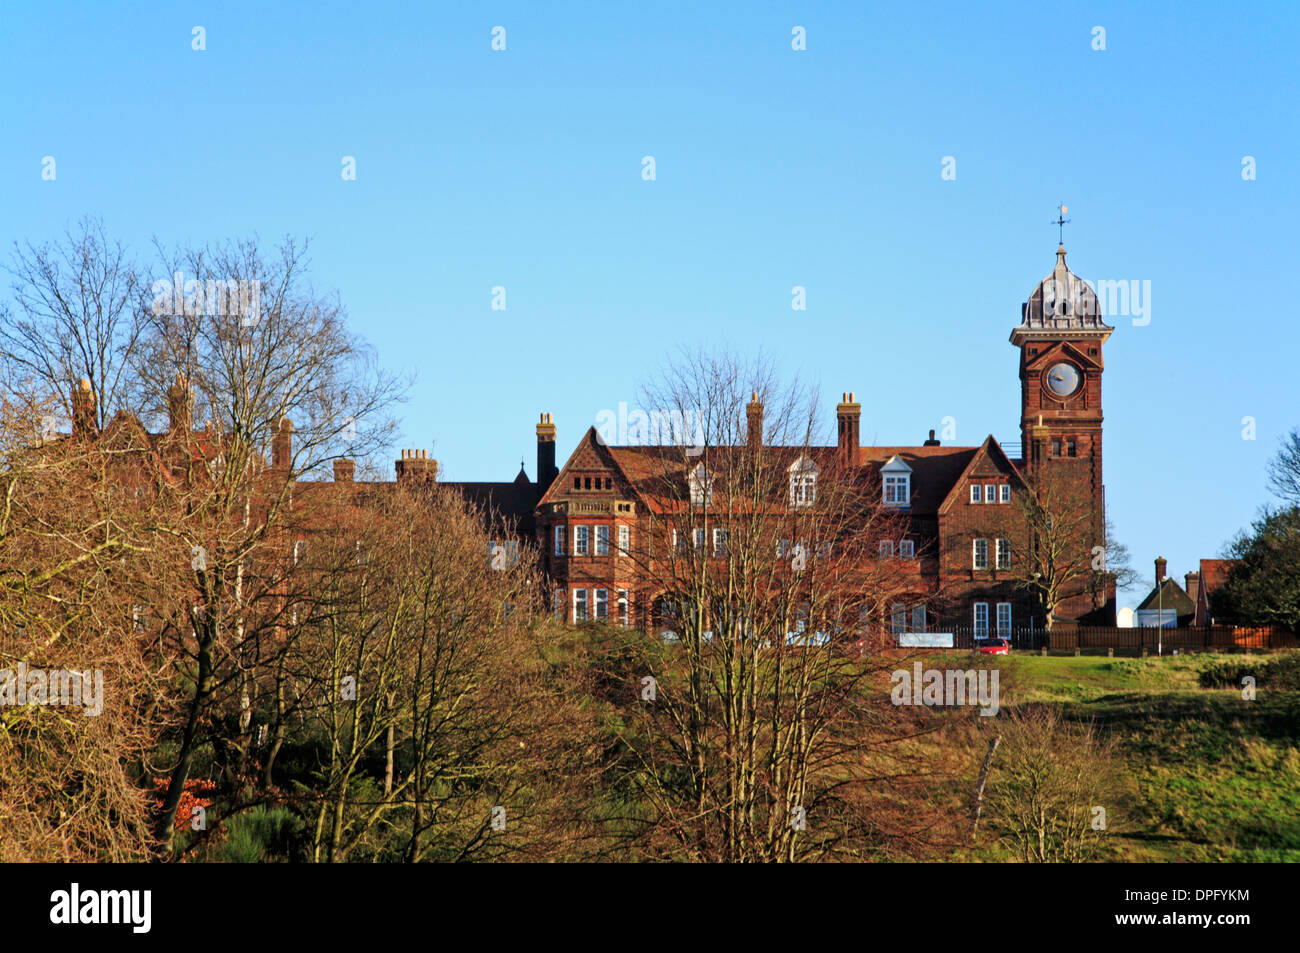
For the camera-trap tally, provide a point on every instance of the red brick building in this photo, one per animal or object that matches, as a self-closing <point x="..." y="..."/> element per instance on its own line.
<point x="957" y="503"/>
<point x="959" y="525"/>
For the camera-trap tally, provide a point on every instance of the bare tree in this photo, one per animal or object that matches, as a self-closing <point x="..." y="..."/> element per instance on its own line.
<point x="422" y="656"/>
<point x="74" y="553"/>
<point x="1061" y="553"/>
<point x="75" y="315"/>
<point x="286" y="387"/>
<point x="1053" y="795"/>
<point x="1284" y="469"/>
<point x="760" y="739"/>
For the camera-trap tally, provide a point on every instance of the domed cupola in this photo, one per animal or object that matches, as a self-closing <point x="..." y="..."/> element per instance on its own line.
<point x="1061" y="302"/>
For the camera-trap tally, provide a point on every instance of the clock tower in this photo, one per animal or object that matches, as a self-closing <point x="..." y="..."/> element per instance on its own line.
<point x="1060" y="337"/>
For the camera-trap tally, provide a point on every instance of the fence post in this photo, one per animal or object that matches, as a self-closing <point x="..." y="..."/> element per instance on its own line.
<point x="1110" y="652"/>
<point x="1042" y="650"/>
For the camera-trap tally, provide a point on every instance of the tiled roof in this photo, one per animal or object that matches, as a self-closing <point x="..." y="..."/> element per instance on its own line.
<point x="1169" y="595"/>
<point x="1214" y="572"/>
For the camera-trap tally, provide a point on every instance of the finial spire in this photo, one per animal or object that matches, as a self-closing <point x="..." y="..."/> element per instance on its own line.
<point x="1060" y="222"/>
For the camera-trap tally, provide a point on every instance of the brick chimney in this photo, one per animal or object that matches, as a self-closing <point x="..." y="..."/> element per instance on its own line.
<point x="546" y="471"/>
<point x="1161" y="563"/>
<point x="848" y="415"/>
<point x="416" y="467"/>
<point x="180" y="406"/>
<point x="754" y="422"/>
<point x="931" y="442"/>
<point x="84" y="422"/>
<point x="282" y="445"/>
<point x="1193" y="580"/>
<point x="344" y="470"/>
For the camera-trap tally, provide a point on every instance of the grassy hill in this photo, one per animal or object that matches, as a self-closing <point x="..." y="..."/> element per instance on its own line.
<point x="1214" y="777"/>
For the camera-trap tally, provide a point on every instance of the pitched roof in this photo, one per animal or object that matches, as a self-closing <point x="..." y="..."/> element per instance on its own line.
<point x="1169" y="595"/>
<point x="934" y="469"/>
<point x="1214" y="573"/>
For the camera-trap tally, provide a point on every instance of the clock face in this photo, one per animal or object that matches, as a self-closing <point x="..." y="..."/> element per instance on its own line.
<point x="1062" y="379"/>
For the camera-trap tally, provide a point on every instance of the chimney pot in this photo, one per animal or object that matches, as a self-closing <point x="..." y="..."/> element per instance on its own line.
<point x="546" y="469"/>
<point x="848" y="417"/>
<point x="1161" y="563"/>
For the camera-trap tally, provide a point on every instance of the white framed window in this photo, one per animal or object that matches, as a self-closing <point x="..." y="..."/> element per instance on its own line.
<point x="782" y="548"/>
<point x="980" y="554"/>
<point x="803" y="482"/>
<point x="559" y="540"/>
<point x="981" y="619"/>
<point x="581" y="540"/>
<point x="602" y="540"/>
<point x="1004" y="554"/>
<point x="990" y="493"/>
<point x="602" y="604"/>
<point x="897" y="618"/>
<point x="579" y="605"/>
<point x="886" y="548"/>
<point x="896" y="483"/>
<point x="701" y="486"/>
<point x="697" y="537"/>
<point x="1004" y="618"/>
<point x="624" y="539"/>
<point x="907" y="549"/>
<point x="1005" y="491"/>
<point x="299" y="547"/>
<point x="721" y="539"/>
<point x="918" y="617"/>
<point x="624" y="606"/>
<point x="975" y="495"/>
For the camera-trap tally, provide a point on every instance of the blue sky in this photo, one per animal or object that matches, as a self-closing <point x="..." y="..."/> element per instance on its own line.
<point x="775" y="168"/>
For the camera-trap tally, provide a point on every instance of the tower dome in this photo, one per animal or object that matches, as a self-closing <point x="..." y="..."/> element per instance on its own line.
<point x="1062" y="301"/>
<point x="1062" y="305"/>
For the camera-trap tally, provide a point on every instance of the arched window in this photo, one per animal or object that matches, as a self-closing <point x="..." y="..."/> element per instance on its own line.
<point x="701" y="486"/>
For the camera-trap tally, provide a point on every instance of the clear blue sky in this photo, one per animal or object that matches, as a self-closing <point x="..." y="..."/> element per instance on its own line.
<point x="775" y="168"/>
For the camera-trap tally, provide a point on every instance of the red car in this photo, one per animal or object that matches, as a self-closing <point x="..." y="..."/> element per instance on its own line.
<point x="995" y="646"/>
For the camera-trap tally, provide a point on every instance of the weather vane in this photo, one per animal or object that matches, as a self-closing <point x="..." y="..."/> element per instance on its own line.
<point x="1060" y="221"/>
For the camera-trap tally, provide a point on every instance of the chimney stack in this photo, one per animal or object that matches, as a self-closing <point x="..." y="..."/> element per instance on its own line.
<point x="546" y="471"/>
<point x="931" y="442"/>
<point x="1161" y="563"/>
<point x="754" y="422"/>
<point x="180" y="406"/>
<point x="415" y="466"/>
<point x="84" y="422"/>
<point x="344" y="470"/>
<point x="282" y="445"/>
<point x="1193" y="580"/>
<point x="848" y="415"/>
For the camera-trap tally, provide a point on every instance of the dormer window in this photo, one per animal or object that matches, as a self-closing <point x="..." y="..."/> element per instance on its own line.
<point x="803" y="482"/>
<point x="701" y="486"/>
<point x="896" y="482"/>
